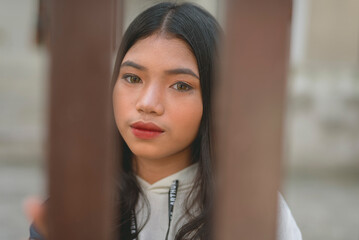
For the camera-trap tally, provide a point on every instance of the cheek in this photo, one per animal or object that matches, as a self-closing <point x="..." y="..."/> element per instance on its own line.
<point x="121" y="105"/>
<point x="186" y="118"/>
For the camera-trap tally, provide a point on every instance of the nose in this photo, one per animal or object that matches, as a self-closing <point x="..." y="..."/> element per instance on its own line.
<point x="150" y="101"/>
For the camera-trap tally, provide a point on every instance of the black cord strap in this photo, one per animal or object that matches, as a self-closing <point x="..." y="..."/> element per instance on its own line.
<point x="133" y="227"/>
<point x="172" y="195"/>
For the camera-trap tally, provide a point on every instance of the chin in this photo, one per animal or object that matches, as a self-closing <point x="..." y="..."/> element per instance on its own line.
<point x="149" y="153"/>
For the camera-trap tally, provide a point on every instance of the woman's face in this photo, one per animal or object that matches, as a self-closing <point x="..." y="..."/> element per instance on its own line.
<point x="157" y="98"/>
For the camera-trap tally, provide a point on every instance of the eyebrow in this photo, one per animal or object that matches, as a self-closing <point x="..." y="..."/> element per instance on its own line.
<point x="134" y="65"/>
<point x="182" y="71"/>
<point x="171" y="71"/>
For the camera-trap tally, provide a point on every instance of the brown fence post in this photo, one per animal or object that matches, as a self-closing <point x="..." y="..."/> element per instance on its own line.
<point x="81" y="159"/>
<point x="250" y="117"/>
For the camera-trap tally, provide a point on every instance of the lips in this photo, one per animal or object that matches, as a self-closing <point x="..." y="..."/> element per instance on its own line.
<point x="146" y="130"/>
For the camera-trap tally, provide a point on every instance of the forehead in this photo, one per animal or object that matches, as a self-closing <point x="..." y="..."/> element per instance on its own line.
<point x="162" y="51"/>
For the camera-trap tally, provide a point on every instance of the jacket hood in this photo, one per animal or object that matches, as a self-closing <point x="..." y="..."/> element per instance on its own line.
<point x="185" y="177"/>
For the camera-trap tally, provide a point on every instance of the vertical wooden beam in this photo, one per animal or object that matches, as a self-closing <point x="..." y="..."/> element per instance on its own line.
<point x="118" y="6"/>
<point x="250" y="118"/>
<point x="81" y="159"/>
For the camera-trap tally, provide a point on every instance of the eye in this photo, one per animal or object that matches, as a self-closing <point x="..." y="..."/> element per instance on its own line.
<point x="131" y="78"/>
<point x="181" y="86"/>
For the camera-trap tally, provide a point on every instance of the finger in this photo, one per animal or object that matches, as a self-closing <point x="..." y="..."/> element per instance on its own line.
<point x="35" y="210"/>
<point x="33" y="207"/>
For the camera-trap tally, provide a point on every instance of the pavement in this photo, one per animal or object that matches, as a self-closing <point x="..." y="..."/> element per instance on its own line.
<point x="325" y="206"/>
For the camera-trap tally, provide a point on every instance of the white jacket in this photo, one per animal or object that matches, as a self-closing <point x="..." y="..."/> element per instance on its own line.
<point x="157" y="195"/>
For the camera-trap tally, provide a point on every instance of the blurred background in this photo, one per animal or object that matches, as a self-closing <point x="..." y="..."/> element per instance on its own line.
<point x="321" y="157"/>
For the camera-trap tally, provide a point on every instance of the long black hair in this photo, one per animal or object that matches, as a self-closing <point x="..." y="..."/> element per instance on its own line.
<point x="200" y="31"/>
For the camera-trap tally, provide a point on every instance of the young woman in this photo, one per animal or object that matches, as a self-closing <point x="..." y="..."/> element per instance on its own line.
<point x="162" y="107"/>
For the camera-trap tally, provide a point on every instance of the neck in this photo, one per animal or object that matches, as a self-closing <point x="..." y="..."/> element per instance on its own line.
<point x="153" y="170"/>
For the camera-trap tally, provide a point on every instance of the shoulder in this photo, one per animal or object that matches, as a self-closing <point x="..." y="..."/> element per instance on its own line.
<point x="287" y="227"/>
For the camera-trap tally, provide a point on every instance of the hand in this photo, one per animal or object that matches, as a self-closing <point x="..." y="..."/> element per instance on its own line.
<point x="35" y="210"/>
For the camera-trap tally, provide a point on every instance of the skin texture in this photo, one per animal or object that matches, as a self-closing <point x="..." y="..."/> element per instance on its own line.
<point x="159" y="83"/>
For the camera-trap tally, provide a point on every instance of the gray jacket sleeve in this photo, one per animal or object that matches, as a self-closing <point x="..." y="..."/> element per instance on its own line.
<point x="34" y="235"/>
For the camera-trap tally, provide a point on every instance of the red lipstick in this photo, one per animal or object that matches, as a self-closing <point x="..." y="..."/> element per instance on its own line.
<point x="146" y="130"/>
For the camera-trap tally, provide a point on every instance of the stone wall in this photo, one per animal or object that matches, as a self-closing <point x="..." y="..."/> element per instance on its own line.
<point x="323" y="88"/>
